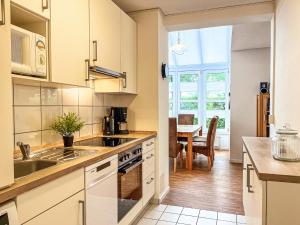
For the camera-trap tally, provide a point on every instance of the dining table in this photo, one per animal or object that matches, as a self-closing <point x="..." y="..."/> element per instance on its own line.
<point x="189" y="131"/>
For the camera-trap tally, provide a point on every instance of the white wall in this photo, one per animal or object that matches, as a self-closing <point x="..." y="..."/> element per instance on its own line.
<point x="249" y="67"/>
<point x="287" y="60"/>
<point x="149" y="110"/>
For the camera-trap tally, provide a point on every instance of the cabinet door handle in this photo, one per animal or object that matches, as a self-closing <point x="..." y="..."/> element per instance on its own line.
<point x="87" y="70"/>
<point x="95" y="51"/>
<point x="82" y="204"/>
<point x="151" y="180"/>
<point x="149" y="157"/>
<point x="124" y="80"/>
<point x="45" y="6"/>
<point x="2" y="21"/>
<point x="244" y="153"/>
<point x="149" y="144"/>
<point x="249" y="186"/>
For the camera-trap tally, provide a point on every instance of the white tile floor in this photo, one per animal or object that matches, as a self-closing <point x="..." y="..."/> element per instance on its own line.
<point x="175" y="215"/>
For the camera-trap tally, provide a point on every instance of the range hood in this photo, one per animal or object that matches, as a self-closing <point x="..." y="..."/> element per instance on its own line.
<point x="96" y="72"/>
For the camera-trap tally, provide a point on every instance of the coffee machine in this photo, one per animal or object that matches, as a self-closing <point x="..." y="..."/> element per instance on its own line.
<point x="119" y="114"/>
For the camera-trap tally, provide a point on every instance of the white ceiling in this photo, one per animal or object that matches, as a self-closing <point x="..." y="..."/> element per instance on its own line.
<point x="179" y="6"/>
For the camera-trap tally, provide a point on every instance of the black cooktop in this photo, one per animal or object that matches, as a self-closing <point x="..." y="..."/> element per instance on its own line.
<point x="103" y="141"/>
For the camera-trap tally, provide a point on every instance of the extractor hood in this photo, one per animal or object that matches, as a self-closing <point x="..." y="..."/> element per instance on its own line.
<point x="96" y="72"/>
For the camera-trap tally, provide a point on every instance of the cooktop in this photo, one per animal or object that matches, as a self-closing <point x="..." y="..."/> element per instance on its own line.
<point x="103" y="141"/>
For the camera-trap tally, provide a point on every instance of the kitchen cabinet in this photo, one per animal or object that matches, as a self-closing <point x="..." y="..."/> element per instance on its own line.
<point x="105" y="34"/>
<point x="148" y="170"/>
<point x="68" y="212"/>
<point x="6" y="119"/>
<point x="41" y="199"/>
<point x="122" y="57"/>
<point x="69" y="41"/>
<point x="128" y="52"/>
<point x="40" y="7"/>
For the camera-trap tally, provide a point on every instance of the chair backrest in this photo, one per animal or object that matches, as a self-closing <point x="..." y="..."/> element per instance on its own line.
<point x="211" y="134"/>
<point x="173" y="150"/>
<point x="185" y="119"/>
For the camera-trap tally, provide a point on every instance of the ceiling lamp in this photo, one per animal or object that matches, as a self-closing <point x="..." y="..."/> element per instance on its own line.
<point x="178" y="48"/>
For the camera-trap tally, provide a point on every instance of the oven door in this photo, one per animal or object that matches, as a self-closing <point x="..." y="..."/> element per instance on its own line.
<point x="129" y="187"/>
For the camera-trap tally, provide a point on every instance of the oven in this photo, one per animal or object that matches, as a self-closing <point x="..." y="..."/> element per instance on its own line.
<point x="129" y="180"/>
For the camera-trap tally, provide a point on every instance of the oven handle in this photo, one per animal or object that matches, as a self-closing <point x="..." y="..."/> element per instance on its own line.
<point x="132" y="167"/>
<point x="102" y="178"/>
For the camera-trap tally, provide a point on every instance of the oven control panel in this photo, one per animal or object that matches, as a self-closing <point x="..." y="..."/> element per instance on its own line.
<point x="130" y="154"/>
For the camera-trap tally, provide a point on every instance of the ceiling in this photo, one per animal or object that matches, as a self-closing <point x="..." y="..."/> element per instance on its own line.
<point x="179" y="6"/>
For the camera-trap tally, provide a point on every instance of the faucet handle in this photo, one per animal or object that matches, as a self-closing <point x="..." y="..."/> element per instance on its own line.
<point x="25" y="149"/>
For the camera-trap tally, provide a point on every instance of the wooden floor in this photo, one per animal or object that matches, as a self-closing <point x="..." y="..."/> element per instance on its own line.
<point x="218" y="190"/>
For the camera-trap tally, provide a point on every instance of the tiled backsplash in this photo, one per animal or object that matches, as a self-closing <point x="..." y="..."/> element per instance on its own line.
<point x="35" y="108"/>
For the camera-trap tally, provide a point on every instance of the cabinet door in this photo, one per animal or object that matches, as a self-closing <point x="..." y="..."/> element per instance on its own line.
<point x="6" y="120"/>
<point x="128" y="52"/>
<point x="68" y="212"/>
<point x="41" y="7"/>
<point x="105" y="34"/>
<point x="69" y="41"/>
<point x="254" y="198"/>
<point x="148" y="189"/>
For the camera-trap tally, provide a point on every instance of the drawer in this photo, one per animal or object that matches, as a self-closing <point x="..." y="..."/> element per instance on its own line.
<point x="148" y="145"/>
<point x="148" y="164"/>
<point x="40" y="199"/>
<point x="148" y="188"/>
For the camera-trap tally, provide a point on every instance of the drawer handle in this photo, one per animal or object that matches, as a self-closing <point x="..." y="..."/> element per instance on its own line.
<point x="149" y="157"/>
<point x="249" y="186"/>
<point x="151" y="180"/>
<point x="2" y="21"/>
<point x="45" y="6"/>
<point x="82" y="204"/>
<point x="149" y="144"/>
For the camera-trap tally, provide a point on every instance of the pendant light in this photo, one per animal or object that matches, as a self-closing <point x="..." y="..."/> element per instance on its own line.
<point x="178" y="48"/>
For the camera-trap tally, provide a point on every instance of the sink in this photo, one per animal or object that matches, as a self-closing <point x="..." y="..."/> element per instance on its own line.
<point x="26" y="167"/>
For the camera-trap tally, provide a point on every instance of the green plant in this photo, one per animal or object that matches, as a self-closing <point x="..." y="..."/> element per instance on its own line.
<point x="67" y="124"/>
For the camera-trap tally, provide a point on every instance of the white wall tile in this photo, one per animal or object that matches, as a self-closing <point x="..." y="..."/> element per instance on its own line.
<point x="87" y="130"/>
<point x="85" y="97"/>
<point x="98" y="114"/>
<point x="49" y="114"/>
<point x="26" y="95"/>
<point x="86" y="114"/>
<point x="67" y="109"/>
<point x="51" y="96"/>
<point x="98" y="99"/>
<point x="70" y="96"/>
<point x="97" y="128"/>
<point x="50" y="137"/>
<point x="32" y="138"/>
<point x="27" y="119"/>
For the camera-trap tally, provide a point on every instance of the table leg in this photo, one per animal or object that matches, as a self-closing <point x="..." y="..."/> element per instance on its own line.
<point x="190" y="152"/>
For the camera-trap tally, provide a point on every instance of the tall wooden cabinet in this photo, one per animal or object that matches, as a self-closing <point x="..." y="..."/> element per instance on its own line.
<point x="263" y="112"/>
<point x="6" y="118"/>
<point x="69" y="41"/>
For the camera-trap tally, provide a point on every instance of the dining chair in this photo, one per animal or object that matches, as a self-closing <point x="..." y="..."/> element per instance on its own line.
<point x="186" y="119"/>
<point x="175" y="148"/>
<point x="207" y="148"/>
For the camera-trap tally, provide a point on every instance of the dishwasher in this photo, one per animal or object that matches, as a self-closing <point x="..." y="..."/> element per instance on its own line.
<point x="101" y="182"/>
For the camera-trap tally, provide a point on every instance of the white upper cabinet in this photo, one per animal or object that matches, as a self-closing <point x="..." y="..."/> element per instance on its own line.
<point x="105" y="34"/>
<point x="69" y="41"/>
<point x="128" y="52"/>
<point x="40" y="7"/>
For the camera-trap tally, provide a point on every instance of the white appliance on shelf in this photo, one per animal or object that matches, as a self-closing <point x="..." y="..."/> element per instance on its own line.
<point x="8" y="214"/>
<point x="28" y="53"/>
<point x="101" y="192"/>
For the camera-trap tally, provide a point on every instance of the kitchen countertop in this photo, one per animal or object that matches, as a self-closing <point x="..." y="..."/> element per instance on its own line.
<point x="266" y="167"/>
<point x="44" y="176"/>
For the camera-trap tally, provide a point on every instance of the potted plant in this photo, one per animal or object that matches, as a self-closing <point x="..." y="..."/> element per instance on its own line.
<point x="66" y="126"/>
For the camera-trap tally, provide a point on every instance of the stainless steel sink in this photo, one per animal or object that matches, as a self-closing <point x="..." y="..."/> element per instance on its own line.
<point x="26" y="167"/>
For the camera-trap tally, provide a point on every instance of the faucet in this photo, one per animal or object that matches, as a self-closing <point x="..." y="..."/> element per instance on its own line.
<point x="25" y="149"/>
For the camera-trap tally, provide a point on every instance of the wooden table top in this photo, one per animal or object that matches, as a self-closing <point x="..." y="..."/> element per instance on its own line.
<point x="188" y="128"/>
<point x="266" y="167"/>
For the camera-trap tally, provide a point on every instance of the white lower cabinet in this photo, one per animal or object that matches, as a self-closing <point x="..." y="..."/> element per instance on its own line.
<point x="68" y="212"/>
<point x="269" y="202"/>
<point x="148" y="170"/>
